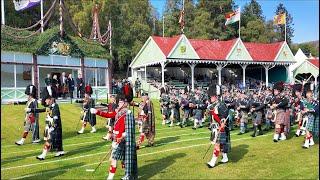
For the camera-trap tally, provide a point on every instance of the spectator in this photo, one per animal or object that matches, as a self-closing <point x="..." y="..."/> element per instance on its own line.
<point x="71" y="85"/>
<point x="80" y="86"/>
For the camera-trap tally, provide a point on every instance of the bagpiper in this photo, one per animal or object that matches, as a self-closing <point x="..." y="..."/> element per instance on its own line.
<point x="164" y="105"/>
<point x="230" y="103"/>
<point x="146" y="116"/>
<point x="31" y="120"/>
<point x="174" y="110"/>
<point x="279" y="105"/>
<point x="243" y="107"/>
<point x="298" y="108"/>
<point x="311" y="115"/>
<point x="198" y="107"/>
<point x="123" y="144"/>
<point x="184" y="103"/>
<point x="137" y="87"/>
<point x="220" y="134"/>
<point x="53" y="128"/>
<point x="87" y="116"/>
<point x="257" y="108"/>
<point x="268" y="111"/>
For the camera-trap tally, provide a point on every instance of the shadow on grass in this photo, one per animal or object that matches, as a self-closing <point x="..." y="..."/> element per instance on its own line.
<point x="238" y="152"/>
<point x="158" y="166"/>
<point x="164" y="141"/>
<point x="48" y="174"/>
<point x="88" y="148"/>
<point x="18" y="158"/>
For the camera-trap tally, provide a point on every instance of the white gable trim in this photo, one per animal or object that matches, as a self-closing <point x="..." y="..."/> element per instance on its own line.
<point x="188" y="42"/>
<point x="234" y="46"/>
<point x="278" y="54"/>
<point x="143" y="47"/>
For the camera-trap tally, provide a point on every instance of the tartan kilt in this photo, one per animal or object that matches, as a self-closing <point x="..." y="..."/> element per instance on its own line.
<point x="280" y="119"/>
<point x="197" y="114"/>
<point x="224" y="140"/>
<point x="118" y="151"/>
<point x="145" y="127"/>
<point x="174" y="113"/>
<point x="244" y="117"/>
<point x="311" y="126"/>
<point x="315" y="130"/>
<point x="165" y="111"/>
<point x="257" y="118"/>
<point x="186" y="113"/>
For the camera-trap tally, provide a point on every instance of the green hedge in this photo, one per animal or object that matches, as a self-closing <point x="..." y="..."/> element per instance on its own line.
<point x="40" y="43"/>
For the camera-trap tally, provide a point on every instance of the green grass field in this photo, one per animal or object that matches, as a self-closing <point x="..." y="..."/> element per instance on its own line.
<point x="177" y="155"/>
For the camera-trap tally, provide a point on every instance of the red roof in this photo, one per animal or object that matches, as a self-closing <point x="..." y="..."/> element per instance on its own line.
<point x="210" y="49"/>
<point x="166" y="43"/>
<point x="263" y="52"/>
<point x="218" y="50"/>
<point x="314" y="61"/>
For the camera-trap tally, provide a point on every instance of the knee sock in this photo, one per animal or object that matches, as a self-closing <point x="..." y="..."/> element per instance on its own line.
<point x="24" y="135"/>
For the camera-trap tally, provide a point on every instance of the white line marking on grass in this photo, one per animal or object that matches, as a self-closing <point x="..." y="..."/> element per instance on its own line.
<point x="146" y="154"/>
<point x="76" y="137"/>
<point x="88" y="155"/>
<point x="194" y="133"/>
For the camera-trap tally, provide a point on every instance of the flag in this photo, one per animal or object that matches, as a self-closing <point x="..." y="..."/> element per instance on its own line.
<point x="233" y="17"/>
<point x="279" y="19"/>
<point x="20" y="5"/>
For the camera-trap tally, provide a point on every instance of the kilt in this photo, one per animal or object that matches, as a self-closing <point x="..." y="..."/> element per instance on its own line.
<point x="257" y="118"/>
<point x="28" y="125"/>
<point x="118" y="151"/>
<point x="46" y="133"/>
<point x="165" y="111"/>
<point x="145" y="127"/>
<point x="174" y="113"/>
<point x="186" y="113"/>
<point x="224" y="140"/>
<point x="280" y="117"/>
<point x="269" y="114"/>
<point x="197" y="114"/>
<point x="311" y="123"/>
<point x="244" y="117"/>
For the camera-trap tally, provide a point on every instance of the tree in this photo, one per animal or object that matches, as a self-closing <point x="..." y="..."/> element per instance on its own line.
<point x="251" y="12"/>
<point x="289" y="24"/>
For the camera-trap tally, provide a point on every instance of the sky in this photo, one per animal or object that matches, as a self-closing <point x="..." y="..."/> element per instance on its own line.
<point x="305" y="15"/>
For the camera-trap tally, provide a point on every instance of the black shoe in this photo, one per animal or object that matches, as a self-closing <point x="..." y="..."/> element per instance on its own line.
<point x="41" y="159"/>
<point x="194" y="128"/>
<point x="200" y="126"/>
<point x="253" y="135"/>
<point x="240" y="133"/>
<point x="274" y="140"/>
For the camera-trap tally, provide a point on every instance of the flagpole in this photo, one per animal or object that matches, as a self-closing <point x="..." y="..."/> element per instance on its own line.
<point x="163" y="26"/>
<point x="239" y="20"/>
<point x="285" y="28"/>
<point x="2" y="12"/>
<point x="183" y="20"/>
<point x="41" y="6"/>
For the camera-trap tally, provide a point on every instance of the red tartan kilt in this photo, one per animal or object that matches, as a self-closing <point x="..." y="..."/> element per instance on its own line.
<point x="32" y="118"/>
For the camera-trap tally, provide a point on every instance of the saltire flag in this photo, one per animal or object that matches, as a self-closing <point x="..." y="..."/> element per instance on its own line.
<point x="20" y="5"/>
<point x="279" y="19"/>
<point x="233" y="17"/>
